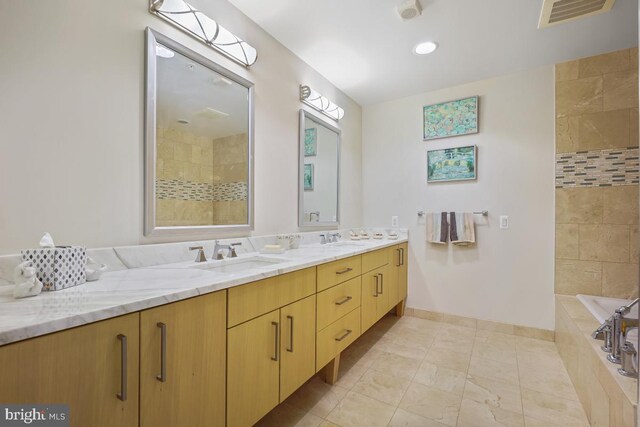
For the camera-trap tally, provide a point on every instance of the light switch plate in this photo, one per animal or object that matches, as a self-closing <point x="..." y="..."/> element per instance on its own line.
<point x="504" y="222"/>
<point x="394" y="221"/>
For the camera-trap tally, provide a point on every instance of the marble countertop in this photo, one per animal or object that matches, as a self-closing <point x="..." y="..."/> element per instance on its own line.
<point x="133" y="289"/>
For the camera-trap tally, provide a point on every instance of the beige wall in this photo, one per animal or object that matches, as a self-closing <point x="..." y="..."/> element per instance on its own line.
<point x="72" y="109"/>
<point x="230" y="171"/>
<point x="597" y="175"/>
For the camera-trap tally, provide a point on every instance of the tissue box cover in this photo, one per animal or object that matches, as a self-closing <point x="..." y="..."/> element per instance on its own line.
<point x="59" y="267"/>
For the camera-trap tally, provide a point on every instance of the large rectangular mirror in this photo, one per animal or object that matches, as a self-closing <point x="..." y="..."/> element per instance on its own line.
<point x="319" y="176"/>
<point x="199" y="140"/>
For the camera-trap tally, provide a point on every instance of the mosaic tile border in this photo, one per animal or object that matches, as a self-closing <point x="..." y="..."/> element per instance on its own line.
<point x="597" y="168"/>
<point x="177" y="189"/>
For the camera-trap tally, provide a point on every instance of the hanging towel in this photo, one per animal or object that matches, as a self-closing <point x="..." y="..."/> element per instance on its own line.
<point x="437" y="227"/>
<point x="463" y="231"/>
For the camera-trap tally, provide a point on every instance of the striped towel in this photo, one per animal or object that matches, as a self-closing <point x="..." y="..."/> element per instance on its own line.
<point x="463" y="231"/>
<point x="437" y="228"/>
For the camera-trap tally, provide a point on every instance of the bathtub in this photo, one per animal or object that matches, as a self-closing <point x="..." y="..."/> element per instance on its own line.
<point x="603" y="307"/>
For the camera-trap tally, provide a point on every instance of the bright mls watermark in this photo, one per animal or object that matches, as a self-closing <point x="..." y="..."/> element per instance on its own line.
<point x="34" y="415"/>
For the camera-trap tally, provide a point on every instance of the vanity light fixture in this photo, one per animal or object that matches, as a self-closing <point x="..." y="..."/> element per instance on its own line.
<point x="320" y="103"/>
<point x="425" y="48"/>
<point x="197" y="24"/>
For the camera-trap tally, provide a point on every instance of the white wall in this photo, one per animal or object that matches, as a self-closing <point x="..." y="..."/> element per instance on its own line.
<point x="71" y="127"/>
<point x="508" y="276"/>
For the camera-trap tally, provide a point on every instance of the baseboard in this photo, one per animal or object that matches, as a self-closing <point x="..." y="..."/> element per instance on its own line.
<point x="486" y="325"/>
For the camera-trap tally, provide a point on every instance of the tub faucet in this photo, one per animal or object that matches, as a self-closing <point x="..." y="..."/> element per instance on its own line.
<point x="604" y="333"/>
<point x="618" y="325"/>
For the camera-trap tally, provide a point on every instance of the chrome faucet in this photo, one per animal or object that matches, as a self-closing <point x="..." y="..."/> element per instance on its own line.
<point x="629" y="357"/>
<point x="323" y="239"/>
<point x="231" y="250"/>
<point x="618" y="325"/>
<point x="333" y="237"/>
<point x="201" y="257"/>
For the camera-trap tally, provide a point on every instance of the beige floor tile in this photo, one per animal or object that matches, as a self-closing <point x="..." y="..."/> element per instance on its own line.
<point x="499" y="371"/>
<point x="495" y="394"/>
<point x="495" y="337"/>
<point x="500" y="351"/>
<point x="532" y="422"/>
<point x="536" y="359"/>
<point x="475" y="414"/>
<point x="383" y="387"/>
<point x="348" y="375"/>
<point x="356" y="410"/>
<point x="452" y="343"/>
<point x="358" y="353"/>
<point x="317" y="397"/>
<point x="451" y="359"/>
<point x="403" y="418"/>
<point x="326" y="423"/>
<point x="431" y="403"/>
<point x="531" y="344"/>
<point x="394" y="364"/>
<point x="553" y="409"/>
<point x="285" y="415"/>
<point x="402" y="349"/>
<point x="547" y="380"/>
<point x="441" y="378"/>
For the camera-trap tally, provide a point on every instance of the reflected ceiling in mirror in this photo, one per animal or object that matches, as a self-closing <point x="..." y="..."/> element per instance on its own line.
<point x="199" y="142"/>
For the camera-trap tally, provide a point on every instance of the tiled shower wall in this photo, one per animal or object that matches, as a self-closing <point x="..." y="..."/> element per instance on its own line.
<point x="597" y="175"/>
<point x="200" y="181"/>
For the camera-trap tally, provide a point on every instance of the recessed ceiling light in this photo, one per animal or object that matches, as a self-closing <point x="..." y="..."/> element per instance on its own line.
<point x="425" y="48"/>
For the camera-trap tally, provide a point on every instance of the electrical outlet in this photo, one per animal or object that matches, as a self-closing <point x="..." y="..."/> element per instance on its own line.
<point x="394" y="221"/>
<point x="504" y="222"/>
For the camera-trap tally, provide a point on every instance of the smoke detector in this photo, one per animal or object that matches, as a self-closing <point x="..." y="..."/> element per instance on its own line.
<point x="409" y="9"/>
<point x="558" y="11"/>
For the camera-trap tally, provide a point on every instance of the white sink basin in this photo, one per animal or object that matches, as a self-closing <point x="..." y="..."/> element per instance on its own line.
<point x="346" y="243"/>
<point x="237" y="265"/>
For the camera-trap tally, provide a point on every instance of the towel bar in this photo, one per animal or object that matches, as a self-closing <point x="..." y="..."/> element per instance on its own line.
<point x="483" y="213"/>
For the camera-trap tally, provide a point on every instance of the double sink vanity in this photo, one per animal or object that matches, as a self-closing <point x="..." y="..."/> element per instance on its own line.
<point x="220" y="342"/>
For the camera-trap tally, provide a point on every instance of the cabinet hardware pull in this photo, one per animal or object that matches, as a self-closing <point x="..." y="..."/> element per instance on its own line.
<point x="402" y="249"/>
<point x="346" y="334"/>
<point x="290" y="349"/>
<point x="377" y="278"/>
<point x="399" y="257"/>
<point x="381" y="283"/>
<point x="346" y="270"/>
<point x="123" y="368"/>
<point x="275" y="341"/>
<point x="163" y="352"/>
<point x="343" y="300"/>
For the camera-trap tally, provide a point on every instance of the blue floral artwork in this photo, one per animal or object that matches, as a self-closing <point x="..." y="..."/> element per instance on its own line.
<point x="308" y="177"/>
<point x="451" y="164"/>
<point x="452" y="118"/>
<point x="310" y="142"/>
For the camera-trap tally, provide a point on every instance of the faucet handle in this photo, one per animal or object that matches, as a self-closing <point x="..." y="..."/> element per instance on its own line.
<point x="232" y="249"/>
<point x="201" y="257"/>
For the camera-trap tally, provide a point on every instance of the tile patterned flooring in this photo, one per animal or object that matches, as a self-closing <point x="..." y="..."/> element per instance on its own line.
<point x="414" y="372"/>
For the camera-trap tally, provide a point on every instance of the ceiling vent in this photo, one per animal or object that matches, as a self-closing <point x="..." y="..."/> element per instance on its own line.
<point x="559" y="11"/>
<point x="409" y="9"/>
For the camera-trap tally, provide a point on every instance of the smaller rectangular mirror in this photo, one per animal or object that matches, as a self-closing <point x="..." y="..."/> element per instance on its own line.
<point x="319" y="177"/>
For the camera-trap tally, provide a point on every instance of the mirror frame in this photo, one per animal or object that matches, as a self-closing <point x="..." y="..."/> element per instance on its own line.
<point x="150" y="227"/>
<point x="321" y="224"/>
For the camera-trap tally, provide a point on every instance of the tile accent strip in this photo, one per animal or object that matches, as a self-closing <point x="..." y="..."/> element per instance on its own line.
<point x="597" y="168"/>
<point x="177" y="189"/>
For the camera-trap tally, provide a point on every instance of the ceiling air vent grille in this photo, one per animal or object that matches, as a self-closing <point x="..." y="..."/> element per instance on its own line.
<point x="558" y="11"/>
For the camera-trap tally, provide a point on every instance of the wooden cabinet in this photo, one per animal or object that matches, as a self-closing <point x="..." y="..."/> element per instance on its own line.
<point x="253" y="369"/>
<point x="182" y="362"/>
<point x="403" y="250"/>
<point x="297" y="345"/>
<point x="336" y="337"/>
<point x="337" y="301"/>
<point x="339" y="271"/>
<point x="369" y="299"/>
<point x="91" y="368"/>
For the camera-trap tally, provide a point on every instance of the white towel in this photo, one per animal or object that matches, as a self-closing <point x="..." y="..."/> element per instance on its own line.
<point x="462" y="231"/>
<point x="437" y="228"/>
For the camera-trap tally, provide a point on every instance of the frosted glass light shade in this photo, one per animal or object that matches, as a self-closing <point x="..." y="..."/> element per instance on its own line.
<point x="197" y="24"/>
<point x="320" y="103"/>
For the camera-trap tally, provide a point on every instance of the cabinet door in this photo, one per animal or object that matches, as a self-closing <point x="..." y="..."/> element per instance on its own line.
<point x="297" y="345"/>
<point x="369" y="299"/>
<point x="80" y="367"/>
<point x="402" y="273"/>
<point x="253" y="369"/>
<point x="182" y="363"/>
<point x="389" y="286"/>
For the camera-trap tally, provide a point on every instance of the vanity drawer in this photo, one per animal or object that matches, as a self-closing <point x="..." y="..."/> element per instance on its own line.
<point x="248" y="301"/>
<point x="336" y="337"/>
<point x="374" y="259"/>
<point x="339" y="271"/>
<point x="337" y="301"/>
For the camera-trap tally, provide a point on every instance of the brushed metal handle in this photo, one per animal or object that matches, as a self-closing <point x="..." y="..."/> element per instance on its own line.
<point x="343" y="300"/>
<point x="377" y="278"/>
<point x="346" y="270"/>
<point x="346" y="334"/>
<point x="275" y="341"/>
<point x="123" y="367"/>
<point x="381" y="283"/>
<point x="402" y="249"/>
<point x="290" y="349"/>
<point x="399" y="257"/>
<point x="163" y="352"/>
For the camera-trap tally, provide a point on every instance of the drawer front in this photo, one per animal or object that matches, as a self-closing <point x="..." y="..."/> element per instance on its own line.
<point x="375" y="259"/>
<point x="339" y="271"/>
<point x="336" y="337"/>
<point x="254" y="299"/>
<point x="337" y="301"/>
